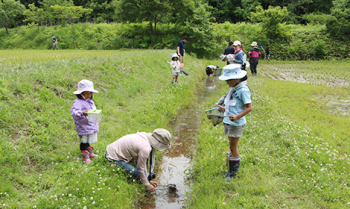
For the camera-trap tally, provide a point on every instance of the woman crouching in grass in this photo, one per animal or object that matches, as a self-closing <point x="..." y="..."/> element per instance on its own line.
<point x="237" y="103"/>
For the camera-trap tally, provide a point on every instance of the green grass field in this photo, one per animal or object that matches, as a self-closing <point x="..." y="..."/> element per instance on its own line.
<point x="40" y="159"/>
<point x="294" y="150"/>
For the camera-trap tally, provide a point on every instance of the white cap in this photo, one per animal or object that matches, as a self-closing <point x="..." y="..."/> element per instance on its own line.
<point x="237" y="43"/>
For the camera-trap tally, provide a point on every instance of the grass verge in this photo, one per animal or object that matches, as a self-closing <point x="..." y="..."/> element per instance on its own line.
<point x="294" y="152"/>
<point x="40" y="159"/>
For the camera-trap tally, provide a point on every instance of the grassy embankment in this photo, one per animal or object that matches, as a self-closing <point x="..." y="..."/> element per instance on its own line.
<point x="40" y="159"/>
<point x="295" y="148"/>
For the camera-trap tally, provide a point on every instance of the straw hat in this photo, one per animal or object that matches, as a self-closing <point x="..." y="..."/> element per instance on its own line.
<point x="254" y="43"/>
<point x="232" y="71"/>
<point x="85" y="85"/>
<point x="160" y="139"/>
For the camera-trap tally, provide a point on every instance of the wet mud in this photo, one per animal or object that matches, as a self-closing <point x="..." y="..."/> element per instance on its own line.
<point x="177" y="160"/>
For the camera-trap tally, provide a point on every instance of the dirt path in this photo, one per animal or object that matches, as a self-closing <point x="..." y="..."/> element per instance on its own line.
<point x="178" y="159"/>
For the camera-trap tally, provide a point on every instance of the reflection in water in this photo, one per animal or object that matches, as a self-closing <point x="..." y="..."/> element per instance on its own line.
<point x="177" y="159"/>
<point x="210" y="83"/>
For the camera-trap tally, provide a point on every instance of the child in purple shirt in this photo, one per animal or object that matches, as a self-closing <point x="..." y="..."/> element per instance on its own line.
<point x="87" y="130"/>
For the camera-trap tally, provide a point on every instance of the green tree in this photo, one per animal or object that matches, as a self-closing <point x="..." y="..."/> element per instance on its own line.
<point x="340" y="26"/>
<point x="247" y="6"/>
<point x="225" y="10"/>
<point x="9" y="11"/>
<point x="272" y="21"/>
<point x="152" y="11"/>
<point x="50" y="16"/>
<point x="70" y="14"/>
<point x="200" y="30"/>
<point x="103" y="10"/>
<point x="34" y="14"/>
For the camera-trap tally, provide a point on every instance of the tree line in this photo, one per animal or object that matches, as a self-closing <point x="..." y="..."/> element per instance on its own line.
<point x="193" y="17"/>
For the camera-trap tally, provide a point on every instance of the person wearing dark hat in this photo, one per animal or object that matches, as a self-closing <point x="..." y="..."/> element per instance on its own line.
<point x="139" y="147"/>
<point x="54" y="45"/>
<point x="211" y="69"/>
<point x="229" y="50"/>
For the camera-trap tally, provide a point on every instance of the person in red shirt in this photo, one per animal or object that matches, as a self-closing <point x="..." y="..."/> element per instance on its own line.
<point x="254" y="57"/>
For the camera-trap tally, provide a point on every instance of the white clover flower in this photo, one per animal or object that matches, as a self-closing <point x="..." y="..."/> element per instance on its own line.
<point x="93" y="202"/>
<point x="91" y="198"/>
<point x="34" y="206"/>
<point x="101" y="199"/>
<point x="78" y="203"/>
<point x="70" y="195"/>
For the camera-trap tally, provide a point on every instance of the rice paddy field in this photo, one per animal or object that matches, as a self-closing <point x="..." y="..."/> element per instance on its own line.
<point x="294" y="151"/>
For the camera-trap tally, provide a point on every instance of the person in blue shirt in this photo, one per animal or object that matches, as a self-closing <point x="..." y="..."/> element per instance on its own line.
<point x="181" y="48"/>
<point x="236" y="104"/>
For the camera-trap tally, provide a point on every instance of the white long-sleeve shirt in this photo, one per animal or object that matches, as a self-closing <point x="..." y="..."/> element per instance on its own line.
<point x="174" y="65"/>
<point x="132" y="147"/>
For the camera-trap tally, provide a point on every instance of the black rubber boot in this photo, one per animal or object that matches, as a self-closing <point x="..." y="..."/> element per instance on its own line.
<point x="233" y="169"/>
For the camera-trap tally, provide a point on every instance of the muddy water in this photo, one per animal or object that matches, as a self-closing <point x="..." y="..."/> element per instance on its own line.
<point x="177" y="160"/>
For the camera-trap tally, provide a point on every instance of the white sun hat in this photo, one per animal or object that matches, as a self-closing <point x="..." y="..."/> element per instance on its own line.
<point x="232" y="71"/>
<point x="174" y="55"/>
<point x="85" y="85"/>
<point x="237" y="43"/>
<point x="222" y="57"/>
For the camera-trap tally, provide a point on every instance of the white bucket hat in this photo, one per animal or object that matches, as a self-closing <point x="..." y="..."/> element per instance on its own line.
<point x="174" y="55"/>
<point x="160" y="139"/>
<point x="232" y="71"/>
<point x="222" y="57"/>
<point x="237" y="43"/>
<point x="85" y="85"/>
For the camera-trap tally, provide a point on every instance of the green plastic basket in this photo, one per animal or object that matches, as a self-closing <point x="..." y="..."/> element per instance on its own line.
<point x="94" y="115"/>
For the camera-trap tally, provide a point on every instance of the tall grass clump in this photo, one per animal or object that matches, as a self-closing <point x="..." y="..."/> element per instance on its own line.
<point x="40" y="158"/>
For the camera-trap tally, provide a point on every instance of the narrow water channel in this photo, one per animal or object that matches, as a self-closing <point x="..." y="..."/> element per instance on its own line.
<point x="178" y="158"/>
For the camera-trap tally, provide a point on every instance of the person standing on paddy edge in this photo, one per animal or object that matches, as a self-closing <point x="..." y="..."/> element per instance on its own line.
<point x="87" y="130"/>
<point x="54" y="39"/>
<point x="229" y="50"/>
<point x="267" y="52"/>
<point x="180" y="50"/>
<point x="139" y="147"/>
<point x="175" y="65"/>
<point x="237" y="104"/>
<point x="254" y="57"/>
